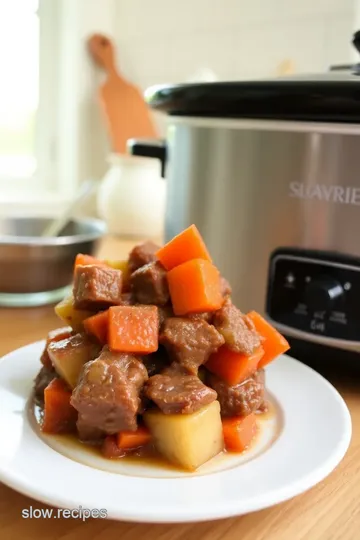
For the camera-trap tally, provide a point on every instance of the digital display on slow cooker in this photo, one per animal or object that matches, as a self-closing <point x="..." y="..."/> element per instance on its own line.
<point x="315" y="295"/>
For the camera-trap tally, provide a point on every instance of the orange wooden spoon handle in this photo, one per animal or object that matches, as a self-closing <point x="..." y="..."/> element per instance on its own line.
<point x="126" y="112"/>
<point x="102" y="50"/>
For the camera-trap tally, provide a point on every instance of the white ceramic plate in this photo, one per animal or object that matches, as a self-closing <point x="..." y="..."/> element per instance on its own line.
<point x="300" y="443"/>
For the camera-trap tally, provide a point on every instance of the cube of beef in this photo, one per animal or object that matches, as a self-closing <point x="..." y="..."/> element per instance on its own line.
<point x="142" y="254"/>
<point x="155" y="362"/>
<point x="225" y="287"/>
<point x="178" y="394"/>
<point x="107" y="396"/>
<point x="45" y="358"/>
<point x="237" y="329"/>
<point x="127" y="299"/>
<point x="88" y="433"/>
<point x="205" y="316"/>
<point x="149" y="284"/>
<point x="42" y="379"/>
<point x="241" y="399"/>
<point x="175" y="369"/>
<point x="97" y="287"/>
<point x="165" y="312"/>
<point x="190" y="342"/>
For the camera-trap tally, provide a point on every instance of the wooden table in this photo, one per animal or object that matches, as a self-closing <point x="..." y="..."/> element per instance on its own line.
<point x="330" y="511"/>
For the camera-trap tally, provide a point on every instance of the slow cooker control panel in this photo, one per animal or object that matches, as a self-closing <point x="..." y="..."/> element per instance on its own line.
<point x="315" y="294"/>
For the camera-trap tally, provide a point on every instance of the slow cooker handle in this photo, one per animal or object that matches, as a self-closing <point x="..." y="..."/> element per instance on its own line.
<point x="155" y="148"/>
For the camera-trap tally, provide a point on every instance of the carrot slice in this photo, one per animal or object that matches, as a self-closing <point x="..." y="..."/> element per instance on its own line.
<point x="233" y="367"/>
<point x="274" y="343"/>
<point x="59" y="415"/>
<point x="133" y="329"/>
<point x="238" y="432"/>
<point x="58" y="334"/>
<point x="97" y="325"/>
<point x="182" y="248"/>
<point x="110" y="449"/>
<point x="195" y="287"/>
<point x="85" y="260"/>
<point x="126" y="440"/>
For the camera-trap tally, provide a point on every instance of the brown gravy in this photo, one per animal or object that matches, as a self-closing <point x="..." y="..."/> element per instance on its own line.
<point x="146" y="456"/>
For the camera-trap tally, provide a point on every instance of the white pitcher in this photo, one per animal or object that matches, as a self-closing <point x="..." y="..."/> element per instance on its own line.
<point x="131" y="197"/>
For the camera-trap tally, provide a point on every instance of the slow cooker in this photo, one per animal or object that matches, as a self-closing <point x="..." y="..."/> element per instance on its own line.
<point x="269" y="172"/>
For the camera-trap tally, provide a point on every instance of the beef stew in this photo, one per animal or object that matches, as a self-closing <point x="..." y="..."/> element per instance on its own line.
<point x="135" y="370"/>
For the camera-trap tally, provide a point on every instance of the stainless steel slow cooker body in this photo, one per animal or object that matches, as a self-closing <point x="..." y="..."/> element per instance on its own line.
<point x="276" y="197"/>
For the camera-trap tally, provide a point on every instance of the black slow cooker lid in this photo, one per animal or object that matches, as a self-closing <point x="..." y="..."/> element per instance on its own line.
<point x="330" y="97"/>
<point x="334" y="98"/>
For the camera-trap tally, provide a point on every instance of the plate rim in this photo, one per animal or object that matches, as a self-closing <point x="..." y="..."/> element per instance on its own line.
<point x="223" y="510"/>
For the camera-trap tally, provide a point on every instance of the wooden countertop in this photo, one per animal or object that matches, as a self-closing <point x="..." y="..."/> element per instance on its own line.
<point x="329" y="511"/>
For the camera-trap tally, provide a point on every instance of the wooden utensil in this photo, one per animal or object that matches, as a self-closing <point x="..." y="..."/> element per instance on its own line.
<point x="126" y="112"/>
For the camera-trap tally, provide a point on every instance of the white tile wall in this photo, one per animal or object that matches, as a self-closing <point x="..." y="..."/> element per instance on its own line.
<point x="164" y="41"/>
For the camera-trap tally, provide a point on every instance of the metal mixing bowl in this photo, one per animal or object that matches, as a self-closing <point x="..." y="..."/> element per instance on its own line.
<point x="36" y="270"/>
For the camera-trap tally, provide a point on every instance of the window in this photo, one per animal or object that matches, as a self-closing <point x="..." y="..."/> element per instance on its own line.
<point x="51" y="138"/>
<point x="19" y="64"/>
<point x="27" y="95"/>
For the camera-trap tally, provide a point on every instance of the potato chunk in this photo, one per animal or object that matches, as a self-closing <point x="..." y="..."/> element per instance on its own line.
<point x="122" y="265"/>
<point x="71" y="316"/>
<point x="188" y="440"/>
<point x="69" y="355"/>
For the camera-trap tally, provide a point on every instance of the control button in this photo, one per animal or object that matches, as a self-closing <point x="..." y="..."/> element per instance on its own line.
<point x="347" y="286"/>
<point x="290" y="278"/>
<point x="301" y="309"/>
<point x="338" y="317"/>
<point x="321" y="293"/>
<point x="317" y="326"/>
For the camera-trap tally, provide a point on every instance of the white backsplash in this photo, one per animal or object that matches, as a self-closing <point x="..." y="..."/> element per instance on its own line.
<point x="162" y="41"/>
